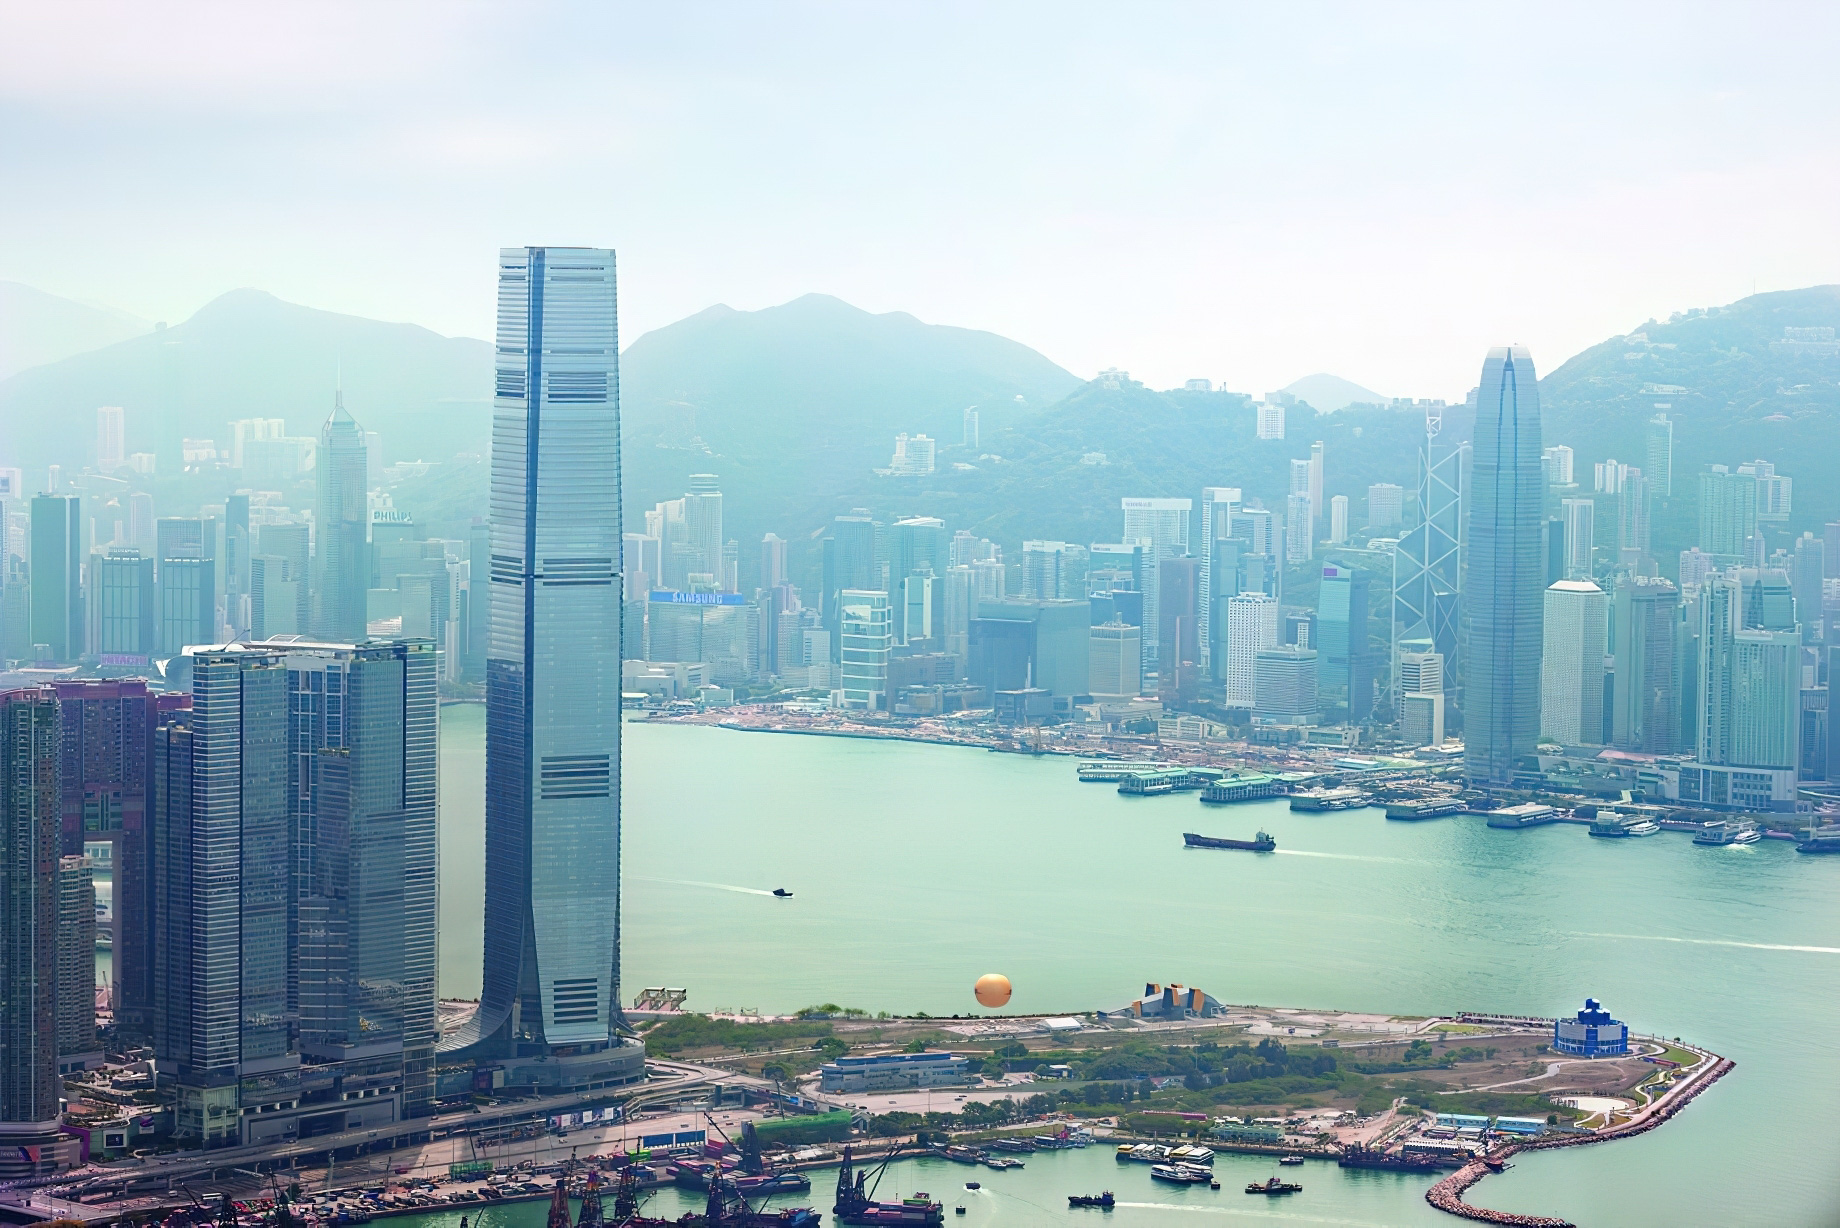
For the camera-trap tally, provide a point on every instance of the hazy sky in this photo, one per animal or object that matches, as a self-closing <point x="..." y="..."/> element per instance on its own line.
<point x="1246" y="193"/>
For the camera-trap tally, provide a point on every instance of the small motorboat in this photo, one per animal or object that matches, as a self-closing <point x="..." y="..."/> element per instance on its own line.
<point x="974" y="1185"/>
<point x="1291" y="1161"/>
<point x="958" y="1210"/>
<point x="782" y="893"/>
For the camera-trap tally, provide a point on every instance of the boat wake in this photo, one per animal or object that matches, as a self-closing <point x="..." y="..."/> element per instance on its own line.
<point x="1245" y="1213"/>
<point x="1396" y="861"/>
<point x="684" y="882"/>
<point x="1721" y="942"/>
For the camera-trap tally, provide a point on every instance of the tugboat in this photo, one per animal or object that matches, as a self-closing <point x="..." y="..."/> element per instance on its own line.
<point x="1091" y="1200"/>
<point x="1273" y="1186"/>
<point x="782" y="893"/>
<point x="1262" y="844"/>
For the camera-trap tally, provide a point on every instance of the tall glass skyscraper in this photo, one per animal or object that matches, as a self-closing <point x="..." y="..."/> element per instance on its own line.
<point x="551" y="977"/>
<point x="1506" y="574"/>
<point x="342" y="569"/>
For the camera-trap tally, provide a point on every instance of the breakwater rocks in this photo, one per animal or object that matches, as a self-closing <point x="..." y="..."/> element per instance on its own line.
<point x="1447" y="1195"/>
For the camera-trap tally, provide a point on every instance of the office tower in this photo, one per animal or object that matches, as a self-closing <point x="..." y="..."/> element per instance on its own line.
<point x="342" y="568"/>
<point x="1428" y="564"/>
<point x="1385" y="508"/>
<point x="772" y="560"/>
<point x="1660" y="466"/>
<point x="913" y="456"/>
<point x="971" y="427"/>
<point x="989" y="579"/>
<point x="29" y="1084"/>
<point x="57" y="575"/>
<point x="967" y="548"/>
<point x="849" y="561"/>
<point x="288" y="542"/>
<point x="1552" y="550"/>
<point x="1338" y="520"/>
<point x="1117" y="661"/>
<point x="1695" y="567"/>
<point x="867" y="634"/>
<point x="219" y="845"/>
<point x="1646" y="696"/>
<point x="1343" y="659"/>
<point x="1809" y="578"/>
<point x="1270" y="419"/>
<point x="641" y="562"/>
<point x="703" y="524"/>
<point x="1774" y="491"/>
<point x="1252" y="627"/>
<point x="1317" y="505"/>
<point x="1116" y="565"/>
<point x="1579" y="516"/>
<point x="1018" y="642"/>
<point x="187" y="614"/>
<point x="1299" y="538"/>
<point x="274" y="598"/>
<point x="1750" y="682"/>
<point x="1727" y="511"/>
<point x="959" y="599"/>
<point x="245" y="431"/>
<point x="77" y="1046"/>
<point x="1161" y="526"/>
<point x="916" y="545"/>
<point x="236" y="569"/>
<point x="111" y="439"/>
<point x="106" y="784"/>
<point x="362" y="806"/>
<point x="1632" y="513"/>
<point x="140" y="522"/>
<point x="1053" y="571"/>
<point x="1421" y="698"/>
<point x="1178" y="631"/>
<point x="1608" y="476"/>
<point x="921" y="595"/>
<point x="676" y="559"/>
<point x="123" y="613"/>
<point x="1502" y="591"/>
<point x="1284" y="686"/>
<point x="552" y="956"/>
<point x="1572" y="664"/>
<point x="1219" y="505"/>
<point x="1556" y="464"/>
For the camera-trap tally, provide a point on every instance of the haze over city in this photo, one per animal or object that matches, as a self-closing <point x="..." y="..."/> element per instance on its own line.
<point x="1242" y="194"/>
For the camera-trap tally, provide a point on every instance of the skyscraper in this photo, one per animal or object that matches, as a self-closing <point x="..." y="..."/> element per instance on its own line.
<point x="1572" y="664"/>
<point x="1252" y="627"/>
<point x="111" y="439"/>
<point x="971" y="427"/>
<point x="1660" y="467"/>
<point x="1727" y="511"/>
<point x="1338" y="520"/>
<point x="1646" y="696"/>
<point x="703" y="523"/>
<point x="123" y="622"/>
<point x="1177" y="611"/>
<point x="1502" y="591"/>
<point x="1345" y="669"/>
<point x="772" y="560"/>
<point x="342" y="568"/>
<point x="867" y="625"/>
<point x="1579" y="516"/>
<point x="1318" y="501"/>
<point x="1053" y="571"/>
<point x="1219" y="505"/>
<point x="29" y="1084"/>
<point x="1385" y="508"/>
<point x="57" y="575"/>
<point x="77" y="1046"/>
<point x="1160" y="525"/>
<point x="551" y="976"/>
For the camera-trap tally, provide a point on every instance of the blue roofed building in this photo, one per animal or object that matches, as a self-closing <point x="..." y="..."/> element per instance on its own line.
<point x="1592" y="1034"/>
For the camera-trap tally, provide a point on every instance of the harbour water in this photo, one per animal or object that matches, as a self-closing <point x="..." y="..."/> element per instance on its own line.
<point x="915" y="868"/>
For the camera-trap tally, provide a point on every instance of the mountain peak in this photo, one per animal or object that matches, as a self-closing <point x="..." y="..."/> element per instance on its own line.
<point x="1329" y="393"/>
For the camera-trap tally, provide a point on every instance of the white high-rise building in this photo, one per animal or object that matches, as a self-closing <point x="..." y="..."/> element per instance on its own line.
<point x="1317" y="505"/>
<point x="1252" y="626"/>
<point x="1161" y="526"/>
<point x="1421" y="698"/>
<point x="1385" y="508"/>
<point x="1579" y="517"/>
<point x="552" y="843"/>
<point x="867" y="641"/>
<point x="111" y="439"/>
<point x="1572" y="664"/>
<point x="913" y="456"/>
<point x="1116" y="653"/>
<point x="1557" y="463"/>
<point x="1300" y="542"/>
<point x="1338" y="520"/>
<point x="1270" y="420"/>
<point x="703" y="527"/>
<point x="971" y="427"/>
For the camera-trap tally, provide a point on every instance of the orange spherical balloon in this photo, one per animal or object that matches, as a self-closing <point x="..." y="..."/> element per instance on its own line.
<point x="992" y="989"/>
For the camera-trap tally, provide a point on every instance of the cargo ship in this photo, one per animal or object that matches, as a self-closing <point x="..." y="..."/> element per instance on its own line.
<point x="1329" y="799"/>
<point x="1262" y="844"/>
<point x="855" y="1206"/>
<point x="1424" y="808"/>
<point x="1720" y="832"/>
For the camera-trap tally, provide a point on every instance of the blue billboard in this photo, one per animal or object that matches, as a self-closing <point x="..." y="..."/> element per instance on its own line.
<point x="665" y="596"/>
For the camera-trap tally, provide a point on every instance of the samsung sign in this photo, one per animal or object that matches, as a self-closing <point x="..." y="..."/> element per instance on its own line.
<point x="665" y="596"/>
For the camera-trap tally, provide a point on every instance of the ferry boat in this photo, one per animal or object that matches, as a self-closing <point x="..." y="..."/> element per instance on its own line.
<point x="1290" y="1161"/>
<point x="1819" y="840"/>
<point x="1527" y="814"/>
<point x="1329" y="799"/>
<point x="1144" y="1153"/>
<point x="1424" y="808"/>
<point x="965" y="1155"/>
<point x="1181" y="1174"/>
<point x="1244" y="788"/>
<point x="1262" y="844"/>
<point x="1719" y="832"/>
<point x="1617" y="826"/>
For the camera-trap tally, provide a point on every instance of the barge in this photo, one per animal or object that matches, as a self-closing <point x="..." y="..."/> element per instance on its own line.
<point x="1262" y="844"/>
